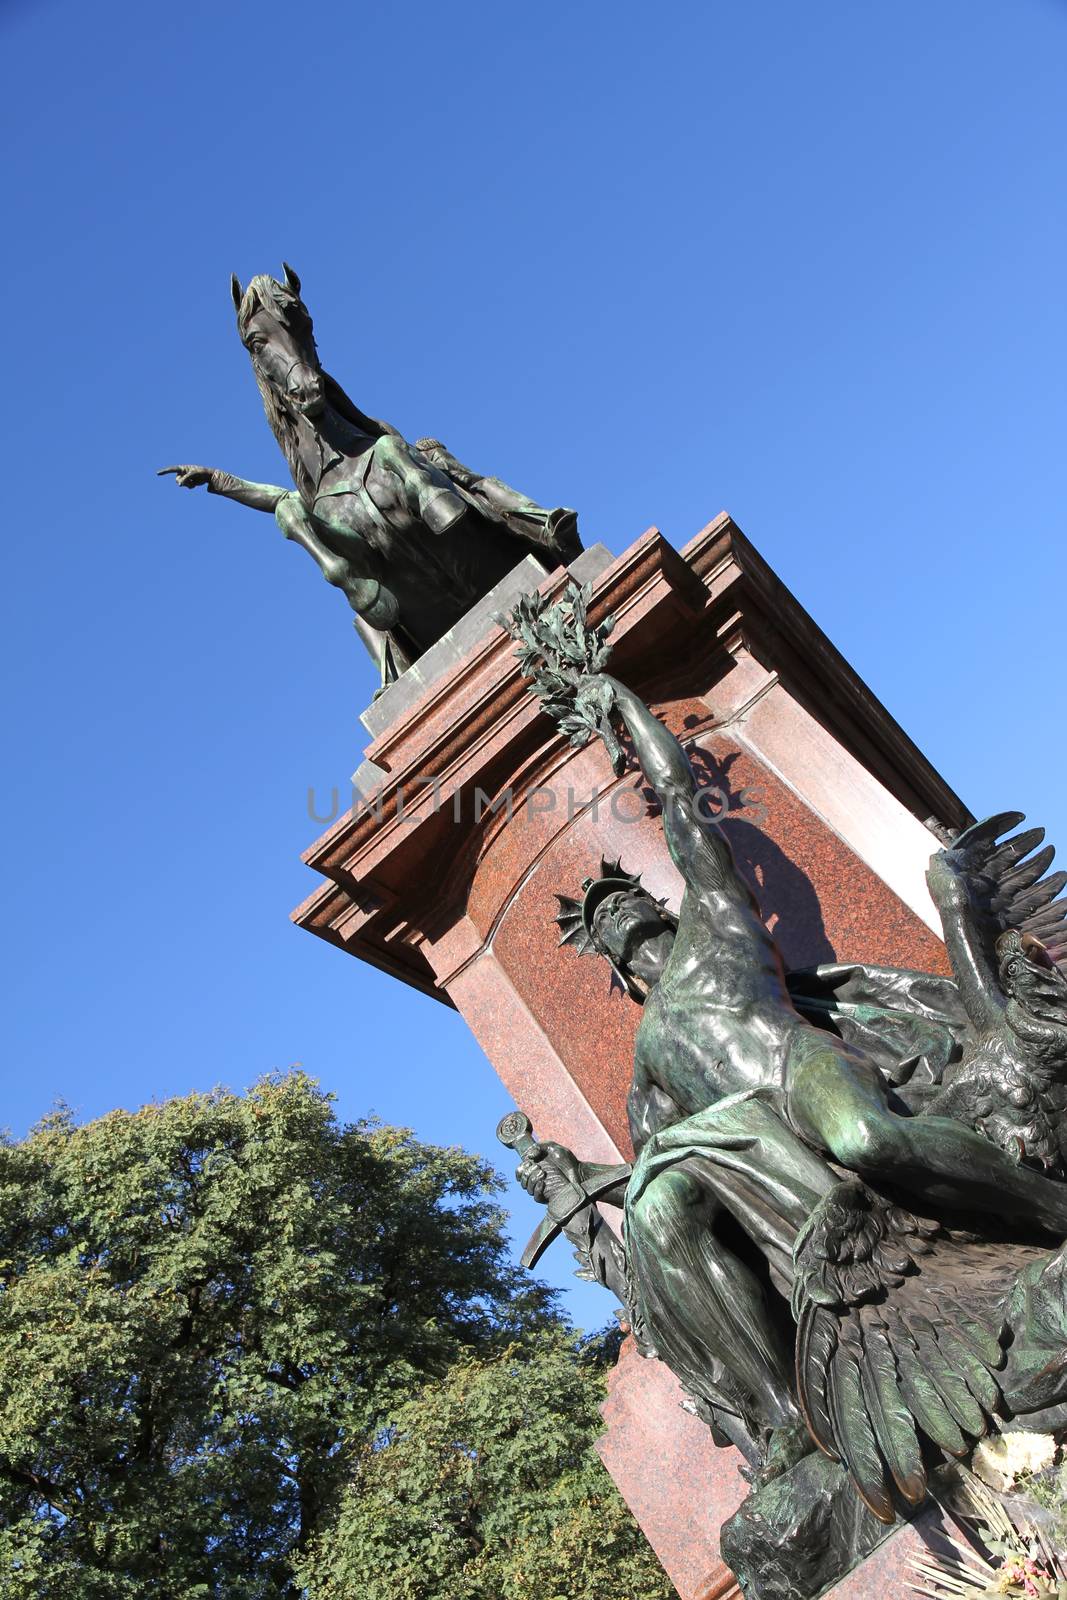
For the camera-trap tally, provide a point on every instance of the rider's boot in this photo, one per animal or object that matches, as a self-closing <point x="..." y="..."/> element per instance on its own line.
<point x="440" y="509"/>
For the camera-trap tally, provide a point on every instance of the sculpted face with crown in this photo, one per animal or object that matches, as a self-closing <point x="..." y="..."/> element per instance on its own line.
<point x="619" y="920"/>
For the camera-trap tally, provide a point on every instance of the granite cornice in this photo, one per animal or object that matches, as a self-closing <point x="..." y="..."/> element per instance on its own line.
<point x="711" y="626"/>
<point x="318" y="912"/>
<point x="331" y="913"/>
<point x="485" y="707"/>
<point x="777" y="629"/>
<point x="444" y="769"/>
<point x="490" y="670"/>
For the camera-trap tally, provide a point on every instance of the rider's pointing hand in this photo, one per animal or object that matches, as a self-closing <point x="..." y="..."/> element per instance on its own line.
<point x="188" y="477"/>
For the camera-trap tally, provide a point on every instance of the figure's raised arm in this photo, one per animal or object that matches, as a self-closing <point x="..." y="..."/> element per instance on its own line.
<point x="663" y="761"/>
<point x="697" y="845"/>
<point x="565" y="654"/>
<point x="260" y="496"/>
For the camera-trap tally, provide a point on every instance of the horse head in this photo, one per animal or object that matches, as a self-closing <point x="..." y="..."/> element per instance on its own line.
<point x="276" y="330"/>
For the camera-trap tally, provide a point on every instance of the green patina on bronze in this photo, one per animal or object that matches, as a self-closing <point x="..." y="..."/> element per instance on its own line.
<point x="410" y="536"/>
<point x="785" y="1125"/>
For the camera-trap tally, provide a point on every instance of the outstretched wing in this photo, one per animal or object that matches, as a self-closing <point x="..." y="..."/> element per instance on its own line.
<point x="1007" y="880"/>
<point x="879" y="1364"/>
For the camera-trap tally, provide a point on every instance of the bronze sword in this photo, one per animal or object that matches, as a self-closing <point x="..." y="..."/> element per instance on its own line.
<point x="516" y="1132"/>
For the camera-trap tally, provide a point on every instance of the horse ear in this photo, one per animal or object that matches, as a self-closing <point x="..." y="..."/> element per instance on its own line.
<point x="236" y="290"/>
<point x="291" y="280"/>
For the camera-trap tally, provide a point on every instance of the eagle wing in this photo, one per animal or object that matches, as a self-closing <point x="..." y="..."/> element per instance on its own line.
<point x="880" y="1366"/>
<point x="1009" y="883"/>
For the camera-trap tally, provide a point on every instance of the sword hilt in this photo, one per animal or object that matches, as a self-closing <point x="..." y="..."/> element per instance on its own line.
<point x="516" y="1132"/>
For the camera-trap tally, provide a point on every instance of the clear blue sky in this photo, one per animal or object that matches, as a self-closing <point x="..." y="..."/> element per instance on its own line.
<point x="805" y="262"/>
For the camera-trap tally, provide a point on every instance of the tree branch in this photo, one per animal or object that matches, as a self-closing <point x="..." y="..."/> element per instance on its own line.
<point x="40" y="1485"/>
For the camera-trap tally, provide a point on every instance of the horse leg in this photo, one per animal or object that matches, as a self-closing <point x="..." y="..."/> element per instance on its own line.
<point x="375" y="605"/>
<point x="376" y="644"/>
<point x="389" y="657"/>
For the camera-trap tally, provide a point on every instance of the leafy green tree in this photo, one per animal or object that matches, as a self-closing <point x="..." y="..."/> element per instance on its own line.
<point x="208" y="1308"/>
<point x="207" y="1305"/>
<point x="487" y="1486"/>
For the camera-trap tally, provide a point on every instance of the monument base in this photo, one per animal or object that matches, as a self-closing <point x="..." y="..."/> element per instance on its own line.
<point x="797" y="1535"/>
<point x="696" y="1510"/>
<point x="474" y="814"/>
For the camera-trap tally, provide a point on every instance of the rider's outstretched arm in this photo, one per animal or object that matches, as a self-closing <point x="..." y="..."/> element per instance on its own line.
<point x="260" y="496"/>
<point x="698" y="848"/>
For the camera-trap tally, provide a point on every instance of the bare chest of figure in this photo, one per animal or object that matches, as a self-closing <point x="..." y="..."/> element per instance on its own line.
<point x="700" y="1052"/>
<point x="719" y="1022"/>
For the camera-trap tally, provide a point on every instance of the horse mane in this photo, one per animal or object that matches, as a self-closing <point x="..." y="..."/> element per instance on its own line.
<point x="284" y="430"/>
<point x="267" y="292"/>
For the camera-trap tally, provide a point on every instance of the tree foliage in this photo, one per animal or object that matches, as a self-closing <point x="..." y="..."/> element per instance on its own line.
<point x="486" y="1486"/>
<point x="210" y="1310"/>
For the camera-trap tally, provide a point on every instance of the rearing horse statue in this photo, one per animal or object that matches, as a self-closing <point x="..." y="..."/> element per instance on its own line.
<point x="410" y="536"/>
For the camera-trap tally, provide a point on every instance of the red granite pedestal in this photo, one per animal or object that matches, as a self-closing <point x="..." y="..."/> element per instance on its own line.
<point x="479" y="814"/>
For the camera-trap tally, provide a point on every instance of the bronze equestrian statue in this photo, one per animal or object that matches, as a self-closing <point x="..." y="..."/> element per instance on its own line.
<point x="410" y="536"/>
